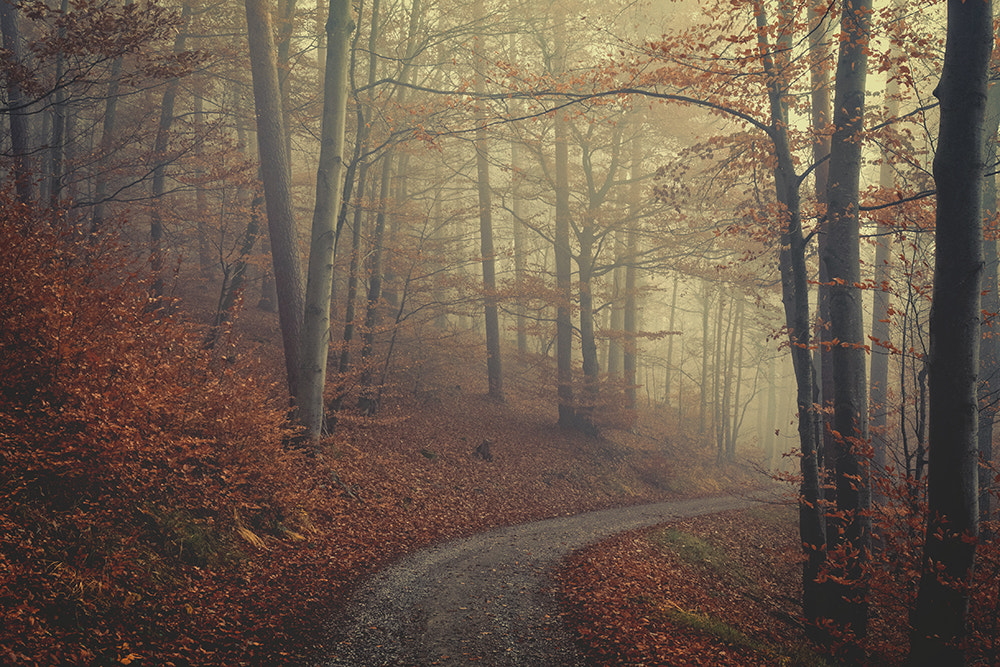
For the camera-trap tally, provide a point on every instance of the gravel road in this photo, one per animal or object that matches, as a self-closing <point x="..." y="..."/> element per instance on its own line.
<point x="485" y="599"/>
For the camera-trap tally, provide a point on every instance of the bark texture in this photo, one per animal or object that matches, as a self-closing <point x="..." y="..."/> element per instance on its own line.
<point x="841" y="256"/>
<point x="329" y="188"/>
<point x="19" y="130"/>
<point x="952" y="479"/>
<point x="795" y="299"/>
<point x="277" y="187"/>
<point x="494" y="369"/>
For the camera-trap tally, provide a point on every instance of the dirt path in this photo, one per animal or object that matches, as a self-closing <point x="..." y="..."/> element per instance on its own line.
<point x="485" y="599"/>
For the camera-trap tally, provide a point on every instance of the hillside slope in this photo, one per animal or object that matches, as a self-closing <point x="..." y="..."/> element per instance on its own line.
<point x="153" y="506"/>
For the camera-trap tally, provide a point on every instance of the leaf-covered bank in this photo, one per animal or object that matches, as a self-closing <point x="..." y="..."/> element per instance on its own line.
<point x="155" y="510"/>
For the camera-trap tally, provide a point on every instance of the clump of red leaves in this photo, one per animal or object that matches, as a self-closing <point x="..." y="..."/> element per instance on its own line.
<point x="634" y="600"/>
<point x="130" y="457"/>
<point x="893" y="573"/>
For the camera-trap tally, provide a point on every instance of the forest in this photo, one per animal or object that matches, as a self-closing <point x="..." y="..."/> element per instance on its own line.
<point x="290" y="290"/>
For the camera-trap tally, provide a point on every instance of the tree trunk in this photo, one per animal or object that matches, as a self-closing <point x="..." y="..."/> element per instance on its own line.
<point x="389" y="279"/>
<point x="361" y="142"/>
<point x="58" y="143"/>
<point x="159" y="155"/>
<point x="234" y="280"/>
<point x="879" y="382"/>
<point x="563" y="256"/>
<point x="737" y="353"/>
<point x="615" y="350"/>
<point x="520" y="264"/>
<point x="494" y="371"/>
<point x="819" y="76"/>
<point x="320" y="29"/>
<point x="517" y="227"/>
<point x="878" y="392"/>
<point x="795" y="299"/>
<point x="706" y="304"/>
<point x="19" y="130"/>
<point x="368" y="401"/>
<point x="771" y="416"/>
<point x="277" y="188"/>
<point x="286" y="24"/>
<point x="329" y="188"/>
<point x="841" y="256"/>
<point x="952" y="477"/>
<point x="989" y="353"/>
<point x="719" y="379"/>
<point x="630" y="340"/>
<point x="670" y="344"/>
<point x="205" y="263"/>
<point x="588" y="341"/>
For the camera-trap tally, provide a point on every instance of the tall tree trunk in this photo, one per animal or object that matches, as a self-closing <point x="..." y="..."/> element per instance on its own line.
<point x="988" y="392"/>
<point x="517" y="226"/>
<point x="329" y="188"/>
<point x="586" y="234"/>
<point x="361" y="142"/>
<point x="617" y="319"/>
<point x="233" y="280"/>
<point x="680" y="391"/>
<point x="106" y="143"/>
<point x="58" y="143"/>
<point x="670" y="343"/>
<point x="706" y="304"/>
<point x="494" y="371"/>
<point x="772" y="414"/>
<point x="520" y="252"/>
<point x="320" y="28"/>
<point x="588" y="341"/>
<point x="71" y="141"/>
<point x="368" y="401"/>
<point x="737" y="359"/>
<point x="277" y="188"/>
<point x="159" y="155"/>
<point x="630" y="324"/>
<point x="819" y="76"/>
<point x="350" y="314"/>
<point x="878" y="391"/>
<point x="19" y="130"/>
<point x="563" y="255"/>
<point x="389" y="281"/>
<point x="719" y="378"/>
<point x="952" y="482"/>
<point x="841" y="255"/>
<point x="952" y="476"/>
<point x="205" y="263"/>
<point x="879" y="381"/>
<point x="795" y="299"/>
<point x="286" y="26"/>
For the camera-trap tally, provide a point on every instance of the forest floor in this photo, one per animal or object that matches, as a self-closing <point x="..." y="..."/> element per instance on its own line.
<point x="408" y="478"/>
<point x="160" y="514"/>
<point x="488" y="598"/>
<point x="720" y="590"/>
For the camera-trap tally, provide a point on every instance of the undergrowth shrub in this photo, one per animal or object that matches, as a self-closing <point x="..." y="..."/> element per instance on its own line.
<point x="892" y="575"/>
<point x="131" y="458"/>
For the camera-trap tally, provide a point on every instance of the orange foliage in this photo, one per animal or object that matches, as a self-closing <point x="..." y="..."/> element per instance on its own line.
<point x="153" y="506"/>
<point x="628" y="597"/>
<point x="125" y="449"/>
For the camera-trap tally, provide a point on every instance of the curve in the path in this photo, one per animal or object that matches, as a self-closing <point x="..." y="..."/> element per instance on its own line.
<point x="486" y="599"/>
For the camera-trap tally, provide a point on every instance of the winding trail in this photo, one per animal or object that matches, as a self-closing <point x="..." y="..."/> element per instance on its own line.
<point x="485" y="599"/>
